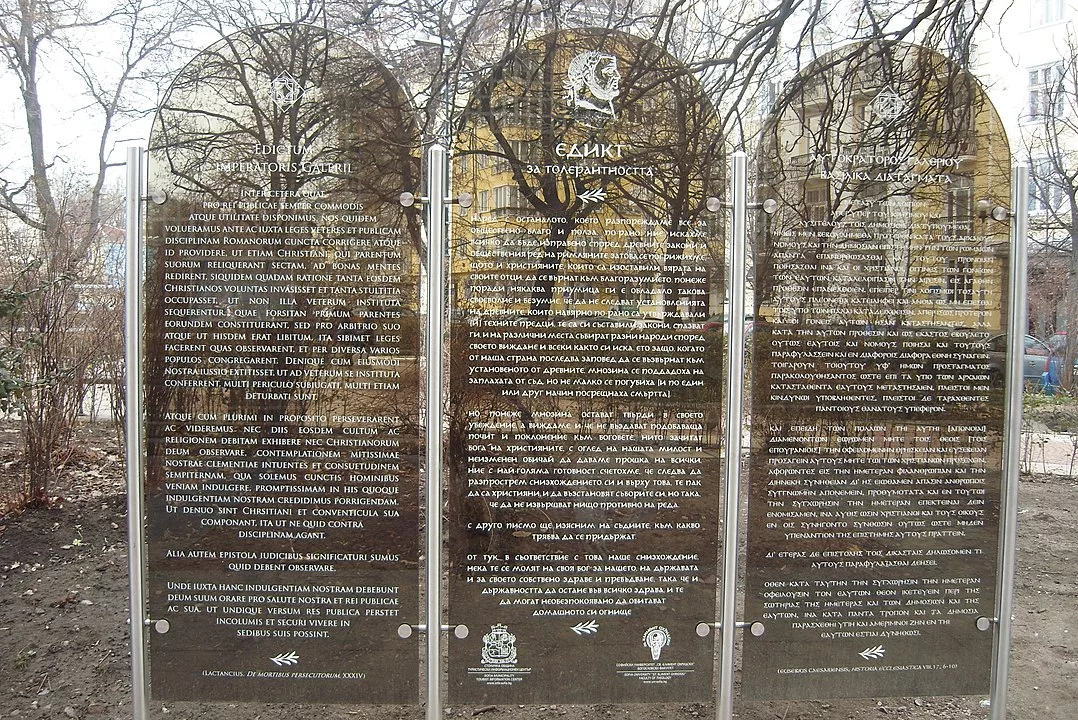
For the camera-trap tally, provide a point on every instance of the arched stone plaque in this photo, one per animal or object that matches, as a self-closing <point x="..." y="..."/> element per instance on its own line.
<point x="584" y="409"/>
<point x="281" y="376"/>
<point x="877" y="417"/>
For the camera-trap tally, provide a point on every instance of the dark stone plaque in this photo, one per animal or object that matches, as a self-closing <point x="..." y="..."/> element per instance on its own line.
<point x="281" y="376"/>
<point x="877" y="421"/>
<point x="584" y="415"/>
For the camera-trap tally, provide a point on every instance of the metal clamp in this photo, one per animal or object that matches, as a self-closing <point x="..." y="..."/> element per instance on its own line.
<point x="459" y="631"/>
<point x="157" y="197"/>
<point x="161" y="626"/>
<point x="769" y="206"/>
<point x="985" y="210"/>
<point x="408" y="199"/>
<point x="756" y="628"/>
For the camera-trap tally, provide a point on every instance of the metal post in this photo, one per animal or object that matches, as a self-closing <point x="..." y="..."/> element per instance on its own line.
<point x="1013" y="442"/>
<point x="724" y="707"/>
<point x="436" y="221"/>
<point x="133" y="361"/>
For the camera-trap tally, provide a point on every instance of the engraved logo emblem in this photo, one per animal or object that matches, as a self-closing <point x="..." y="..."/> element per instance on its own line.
<point x="655" y="639"/>
<point x="499" y="646"/>
<point x="593" y="82"/>
<point x="286" y="91"/>
<point x="873" y="653"/>
<point x="289" y="658"/>
<point x="888" y="105"/>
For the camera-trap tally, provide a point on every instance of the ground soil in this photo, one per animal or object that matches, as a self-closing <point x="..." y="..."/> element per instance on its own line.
<point x="64" y="649"/>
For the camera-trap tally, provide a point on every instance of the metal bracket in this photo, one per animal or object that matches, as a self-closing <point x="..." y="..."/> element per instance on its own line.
<point x="769" y="206"/>
<point x="459" y="631"/>
<point x="157" y="197"/>
<point x="985" y="210"/>
<point x="986" y="623"/>
<point x="161" y="626"/>
<point x="756" y="628"/>
<point x="408" y="199"/>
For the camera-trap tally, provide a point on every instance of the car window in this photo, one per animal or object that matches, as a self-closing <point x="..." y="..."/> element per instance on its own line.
<point x="1036" y="347"/>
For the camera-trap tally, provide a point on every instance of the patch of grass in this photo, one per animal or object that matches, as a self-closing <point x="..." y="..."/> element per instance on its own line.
<point x="23" y="657"/>
<point x="1059" y="413"/>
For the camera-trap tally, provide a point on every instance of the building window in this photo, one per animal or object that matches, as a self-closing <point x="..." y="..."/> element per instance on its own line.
<point x="1045" y="187"/>
<point x="769" y="95"/>
<point x="1047" y="11"/>
<point x="1046" y="91"/>
<point x="811" y="137"/>
<point x="482" y="201"/>
<point x="525" y="151"/>
<point x="958" y="274"/>
<point x="960" y="205"/>
<point x="506" y="200"/>
<point x="816" y="205"/>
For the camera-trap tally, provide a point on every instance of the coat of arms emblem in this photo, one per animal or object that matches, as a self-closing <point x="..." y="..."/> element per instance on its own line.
<point x="499" y="646"/>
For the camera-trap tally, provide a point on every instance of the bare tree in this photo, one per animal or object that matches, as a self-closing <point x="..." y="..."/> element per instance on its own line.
<point x="60" y="217"/>
<point x="734" y="52"/>
<point x="1052" y="150"/>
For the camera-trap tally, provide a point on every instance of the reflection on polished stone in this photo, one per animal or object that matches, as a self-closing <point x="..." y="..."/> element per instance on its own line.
<point x="584" y="400"/>
<point x="877" y="428"/>
<point x="282" y="376"/>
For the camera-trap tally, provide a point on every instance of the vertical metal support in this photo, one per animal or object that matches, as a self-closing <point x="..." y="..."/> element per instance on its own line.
<point x="436" y="221"/>
<point x="1012" y="443"/>
<point x="133" y="364"/>
<point x="735" y="366"/>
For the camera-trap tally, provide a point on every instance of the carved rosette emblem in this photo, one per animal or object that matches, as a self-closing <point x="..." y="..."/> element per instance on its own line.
<point x="888" y="105"/>
<point x="286" y="91"/>
<point x="499" y="646"/>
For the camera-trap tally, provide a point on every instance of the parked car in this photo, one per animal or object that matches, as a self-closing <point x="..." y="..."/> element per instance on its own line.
<point x="721" y="322"/>
<point x="1035" y="356"/>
